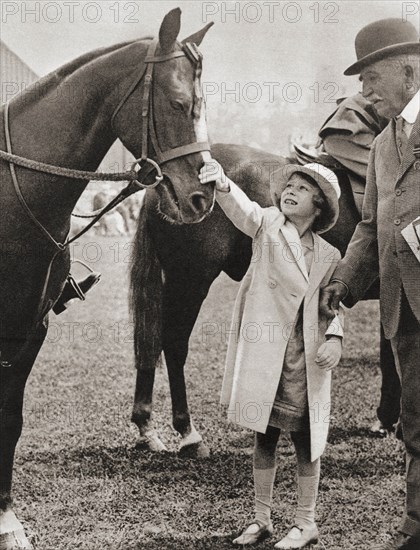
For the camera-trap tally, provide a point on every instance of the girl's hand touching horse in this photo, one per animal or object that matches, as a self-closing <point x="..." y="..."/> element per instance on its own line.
<point x="212" y="171"/>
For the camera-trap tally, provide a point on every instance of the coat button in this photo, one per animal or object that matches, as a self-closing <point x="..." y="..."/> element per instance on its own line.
<point x="417" y="165"/>
<point x="397" y="221"/>
<point x="398" y="192"/>
<point x="272" y="284"/>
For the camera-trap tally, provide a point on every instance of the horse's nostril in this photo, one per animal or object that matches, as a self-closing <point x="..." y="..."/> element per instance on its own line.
<point x="199" y="201"/>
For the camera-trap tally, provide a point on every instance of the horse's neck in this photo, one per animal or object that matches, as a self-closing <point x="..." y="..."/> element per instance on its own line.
<point x="66" y="123"/>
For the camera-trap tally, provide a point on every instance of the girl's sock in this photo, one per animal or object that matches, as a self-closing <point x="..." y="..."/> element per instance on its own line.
<point x="307" y="496"/>
<point x="308" y="480"/>
<point x="263" y="484"/>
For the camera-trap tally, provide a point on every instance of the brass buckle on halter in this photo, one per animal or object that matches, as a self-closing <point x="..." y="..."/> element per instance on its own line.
<point x="137" y="167"/>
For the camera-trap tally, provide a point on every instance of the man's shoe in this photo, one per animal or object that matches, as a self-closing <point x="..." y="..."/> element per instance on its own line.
<point x="379" y="430"/>
<point x="254" y="533"/>
<point x="399" y="431"/>
<point x="401" y="541"/>
<point x="299" y="537"/>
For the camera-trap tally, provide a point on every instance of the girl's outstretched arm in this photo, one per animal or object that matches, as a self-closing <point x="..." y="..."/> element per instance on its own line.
<point x="247" y="215"/>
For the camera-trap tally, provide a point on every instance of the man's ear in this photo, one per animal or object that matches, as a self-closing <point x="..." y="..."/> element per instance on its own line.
<point x="409" y="76"/>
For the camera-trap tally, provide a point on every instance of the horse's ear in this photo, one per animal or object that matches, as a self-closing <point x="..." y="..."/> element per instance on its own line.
<point x="198" y="36"/>
<point x="169" y="30"/>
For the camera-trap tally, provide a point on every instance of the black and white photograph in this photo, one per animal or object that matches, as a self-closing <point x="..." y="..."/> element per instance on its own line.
<point x="209" y="274"/>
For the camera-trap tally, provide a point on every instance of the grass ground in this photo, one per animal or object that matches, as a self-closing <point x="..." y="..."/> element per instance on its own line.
<point x="81" y="484"/>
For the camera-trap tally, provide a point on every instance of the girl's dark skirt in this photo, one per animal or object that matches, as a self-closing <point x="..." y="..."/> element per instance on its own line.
<point x="291" y="410"/>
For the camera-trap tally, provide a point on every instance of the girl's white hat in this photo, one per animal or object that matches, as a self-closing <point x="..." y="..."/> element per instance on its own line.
<point x="325" y="179"/>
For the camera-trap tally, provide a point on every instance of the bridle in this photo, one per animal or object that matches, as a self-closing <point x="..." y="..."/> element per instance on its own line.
<point x="190" y="51"/>
<point x="142" y="167"/>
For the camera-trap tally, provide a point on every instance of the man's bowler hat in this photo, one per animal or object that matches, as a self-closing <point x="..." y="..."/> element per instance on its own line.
<point x="383" y="39"/>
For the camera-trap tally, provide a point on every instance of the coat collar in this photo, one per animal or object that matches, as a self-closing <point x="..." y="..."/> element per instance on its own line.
<point x="291" y="234"/>
<point x="323" y="258"/>
<point x="389" y="136"/>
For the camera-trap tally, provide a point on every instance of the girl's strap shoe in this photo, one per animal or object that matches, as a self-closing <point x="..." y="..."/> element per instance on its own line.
<point x="299" y="537"/>
<point x="250" y="535"/>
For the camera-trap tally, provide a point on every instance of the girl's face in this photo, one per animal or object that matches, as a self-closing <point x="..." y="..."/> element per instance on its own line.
<point x="297" y="199"/>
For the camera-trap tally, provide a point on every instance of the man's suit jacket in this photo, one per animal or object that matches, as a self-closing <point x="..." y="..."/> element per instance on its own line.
<point x="392" y="201"/>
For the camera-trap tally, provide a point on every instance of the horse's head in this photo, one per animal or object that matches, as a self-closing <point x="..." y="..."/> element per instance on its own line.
<point x="172" y="110"/>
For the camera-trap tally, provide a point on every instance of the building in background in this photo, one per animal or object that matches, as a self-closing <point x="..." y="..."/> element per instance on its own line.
<point x="15" y="74"/>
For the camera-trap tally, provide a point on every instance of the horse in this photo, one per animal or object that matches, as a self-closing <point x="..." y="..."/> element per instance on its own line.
<point x="173" y="267"/>
<point x="145" y="92"/>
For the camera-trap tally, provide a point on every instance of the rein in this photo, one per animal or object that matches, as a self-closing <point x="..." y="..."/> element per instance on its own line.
<point x="141" y="167"/>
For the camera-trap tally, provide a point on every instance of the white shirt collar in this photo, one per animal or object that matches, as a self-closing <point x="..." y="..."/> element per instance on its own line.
<point x="411" y="110"/>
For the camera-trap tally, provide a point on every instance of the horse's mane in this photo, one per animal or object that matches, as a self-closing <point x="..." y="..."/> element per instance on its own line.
<point x="56" y="76"/>
<point x="71" y="66"/>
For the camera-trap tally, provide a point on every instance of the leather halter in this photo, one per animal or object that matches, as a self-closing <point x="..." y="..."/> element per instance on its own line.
<point x="190" y="51"/>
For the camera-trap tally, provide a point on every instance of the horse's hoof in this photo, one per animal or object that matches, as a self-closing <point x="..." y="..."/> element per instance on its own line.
<point x="150" y="442"/>
<point x="192" y="445"/>
<point x="195" y="450"/>
<point x="15" y="540"/>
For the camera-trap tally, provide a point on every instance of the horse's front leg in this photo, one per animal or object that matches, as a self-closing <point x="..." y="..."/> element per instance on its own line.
<point x="13" y="379"/>
<point x="182" y="302"/>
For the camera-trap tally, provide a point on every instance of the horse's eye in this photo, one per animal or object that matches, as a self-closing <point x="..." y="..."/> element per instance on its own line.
<point x="177" y="105"/>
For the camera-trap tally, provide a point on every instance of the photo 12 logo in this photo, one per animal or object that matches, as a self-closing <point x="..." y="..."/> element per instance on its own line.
<point x="71" y="12"/>
<point x="270" y="12"/>
<point x="270" y="92"/>
<point x="410" y="10"/>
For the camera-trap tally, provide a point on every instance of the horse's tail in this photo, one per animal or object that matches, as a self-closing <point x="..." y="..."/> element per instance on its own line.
<point x="146" y="296"/>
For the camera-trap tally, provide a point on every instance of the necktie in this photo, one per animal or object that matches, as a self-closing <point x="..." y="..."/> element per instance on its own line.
<point x="401" y="136"/>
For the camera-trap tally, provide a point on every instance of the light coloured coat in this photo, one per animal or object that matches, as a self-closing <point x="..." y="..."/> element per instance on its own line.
<point x="268" y="301"/>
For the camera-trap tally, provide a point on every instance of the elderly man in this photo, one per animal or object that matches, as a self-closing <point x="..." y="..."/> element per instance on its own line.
<point x="388" y="54"/>
<point x="347" y="136"/>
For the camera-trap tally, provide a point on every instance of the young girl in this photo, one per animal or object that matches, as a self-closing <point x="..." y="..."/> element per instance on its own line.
<point x="281" y="351"/>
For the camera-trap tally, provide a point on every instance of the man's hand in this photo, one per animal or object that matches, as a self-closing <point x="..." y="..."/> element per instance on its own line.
<point x="329" y="353"/>
<point x="212" y="171"/>
<point x="330" y="297"/>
